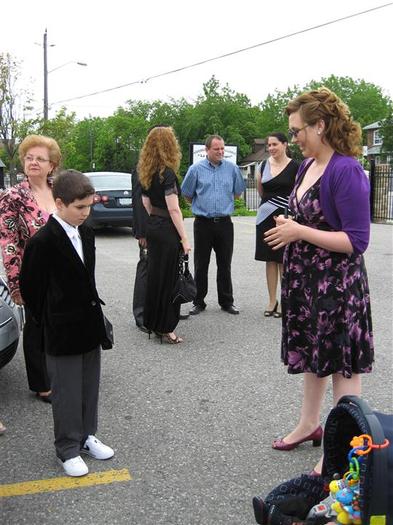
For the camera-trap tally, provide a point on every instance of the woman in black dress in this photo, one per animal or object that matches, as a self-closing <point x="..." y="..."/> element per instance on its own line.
<point x="166" y="237"/>
<point x="275" y="183"/>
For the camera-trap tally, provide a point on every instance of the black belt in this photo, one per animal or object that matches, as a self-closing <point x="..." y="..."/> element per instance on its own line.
<point x="214" y="219"/>
<point x="160" y="212"/>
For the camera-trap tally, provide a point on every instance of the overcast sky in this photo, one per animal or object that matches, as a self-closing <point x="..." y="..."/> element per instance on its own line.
<point x="125" y="41"/>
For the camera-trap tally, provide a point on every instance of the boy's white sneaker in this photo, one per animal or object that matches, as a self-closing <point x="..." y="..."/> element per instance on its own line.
<point x="74" y="467"/>
<point x="96" y="449"/>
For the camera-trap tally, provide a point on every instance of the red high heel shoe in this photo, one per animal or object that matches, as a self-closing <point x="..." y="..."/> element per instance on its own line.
<point x="315" y="437"/>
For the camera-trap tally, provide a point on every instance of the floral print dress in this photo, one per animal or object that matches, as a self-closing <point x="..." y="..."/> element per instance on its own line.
<point x="20" y="219"/>
<point x="327" y="324"/>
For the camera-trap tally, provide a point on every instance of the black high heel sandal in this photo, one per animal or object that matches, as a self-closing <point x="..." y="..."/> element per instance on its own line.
<point x="269" y="313"/>
<point x="276" y="313"/>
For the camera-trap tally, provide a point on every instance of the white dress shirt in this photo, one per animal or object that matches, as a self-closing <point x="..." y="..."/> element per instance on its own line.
<point x="73" y="234"/>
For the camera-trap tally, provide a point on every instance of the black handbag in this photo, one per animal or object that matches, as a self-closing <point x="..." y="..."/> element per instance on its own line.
<point x="109" y="338"/>
<point x="185" y="288"/>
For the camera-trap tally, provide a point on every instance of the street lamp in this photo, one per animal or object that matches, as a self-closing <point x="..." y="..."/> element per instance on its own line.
<point x="66" y="64"/>
<point x="46" y="73"/>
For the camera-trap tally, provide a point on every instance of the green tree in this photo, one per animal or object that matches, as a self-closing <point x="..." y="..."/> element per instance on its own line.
<point x="81" y="150"/>
<point x="219" y="110"/>
<point x="14" y="102"/>
<point x="273" y="117"/>
<point x="59" y="128"/>
<point x="387" y="132"/>
<point x="121" y="136"/>
<point x="365" y="100"/>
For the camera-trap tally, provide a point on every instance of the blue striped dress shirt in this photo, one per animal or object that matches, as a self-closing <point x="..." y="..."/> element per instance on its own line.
<point x="212" y="188"/>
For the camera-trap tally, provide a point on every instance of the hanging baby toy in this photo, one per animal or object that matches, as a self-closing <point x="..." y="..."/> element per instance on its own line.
<point x="345" y="491"/>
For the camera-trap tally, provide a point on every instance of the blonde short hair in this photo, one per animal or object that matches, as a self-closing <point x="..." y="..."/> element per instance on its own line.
<point x="32" y="141"/>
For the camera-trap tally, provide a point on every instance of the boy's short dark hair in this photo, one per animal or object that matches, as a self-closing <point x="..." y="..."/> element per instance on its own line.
<point x="70" y="185"/>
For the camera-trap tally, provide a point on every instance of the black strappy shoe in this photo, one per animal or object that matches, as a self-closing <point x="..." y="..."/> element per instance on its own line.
<point x="270" y="313"/>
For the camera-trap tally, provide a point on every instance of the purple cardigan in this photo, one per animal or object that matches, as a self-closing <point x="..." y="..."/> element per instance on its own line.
<point x="345" y="198"/>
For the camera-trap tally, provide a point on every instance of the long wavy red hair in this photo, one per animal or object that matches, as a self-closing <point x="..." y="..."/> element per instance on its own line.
<point x="160" y="150"/>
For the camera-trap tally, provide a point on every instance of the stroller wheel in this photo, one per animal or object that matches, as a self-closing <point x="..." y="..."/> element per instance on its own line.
<point x="260" y="510"/>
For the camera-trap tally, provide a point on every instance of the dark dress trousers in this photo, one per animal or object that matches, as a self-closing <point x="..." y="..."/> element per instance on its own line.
<point x="213" y="234"/>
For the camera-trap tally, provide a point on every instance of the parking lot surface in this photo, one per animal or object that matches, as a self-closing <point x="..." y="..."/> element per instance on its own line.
<point x="191" y="424"/>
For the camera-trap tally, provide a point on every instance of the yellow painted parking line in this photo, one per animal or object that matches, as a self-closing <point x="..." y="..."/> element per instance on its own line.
<point x="66" y="483"/>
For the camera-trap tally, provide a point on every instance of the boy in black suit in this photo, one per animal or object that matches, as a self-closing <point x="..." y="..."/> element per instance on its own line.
<point x="58" y="285"/>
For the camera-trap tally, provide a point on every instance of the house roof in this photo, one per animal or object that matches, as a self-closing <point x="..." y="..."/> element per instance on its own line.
<point x="374" y="125"/>
<point x="257" y="156"/>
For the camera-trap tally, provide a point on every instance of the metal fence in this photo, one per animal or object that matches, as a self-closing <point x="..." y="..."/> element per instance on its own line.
<point x="381" y="194"/>
<point x="251" y="197"/>
<point x="381" y="182"/>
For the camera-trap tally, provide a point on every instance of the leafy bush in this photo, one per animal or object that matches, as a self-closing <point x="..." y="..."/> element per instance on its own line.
<point x="241" y="208"/>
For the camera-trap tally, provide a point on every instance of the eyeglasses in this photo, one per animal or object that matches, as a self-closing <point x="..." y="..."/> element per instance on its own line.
<point x="293" y="133"/>
<point x="40" y="160"/>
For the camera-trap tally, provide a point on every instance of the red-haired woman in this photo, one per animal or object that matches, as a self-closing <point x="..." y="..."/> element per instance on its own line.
<point x="166" y="237"/>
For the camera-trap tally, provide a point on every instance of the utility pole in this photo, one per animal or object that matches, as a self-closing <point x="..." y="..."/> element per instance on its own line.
<point x="45" y="45"/>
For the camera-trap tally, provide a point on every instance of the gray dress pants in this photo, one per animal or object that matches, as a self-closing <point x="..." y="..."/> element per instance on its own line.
<point x="74" y="383"/>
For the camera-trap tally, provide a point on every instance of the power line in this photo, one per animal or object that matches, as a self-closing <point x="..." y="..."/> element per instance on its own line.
<point x="225" y="55"/>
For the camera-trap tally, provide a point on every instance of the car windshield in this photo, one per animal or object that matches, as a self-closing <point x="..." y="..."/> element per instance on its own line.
<point x="115" y="181"/>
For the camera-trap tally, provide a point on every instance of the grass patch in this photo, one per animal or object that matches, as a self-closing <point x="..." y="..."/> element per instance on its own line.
<point x="240" y="209"/>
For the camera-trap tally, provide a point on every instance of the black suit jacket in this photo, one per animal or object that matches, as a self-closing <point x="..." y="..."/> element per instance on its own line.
<point x="140" y="213"/>
<point x="60" y="290"/>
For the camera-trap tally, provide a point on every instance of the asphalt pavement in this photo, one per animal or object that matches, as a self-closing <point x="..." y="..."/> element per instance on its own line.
<point x="191" y="423"/>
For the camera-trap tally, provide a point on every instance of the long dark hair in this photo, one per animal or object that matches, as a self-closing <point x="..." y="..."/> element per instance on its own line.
<point x="282" y="138"/>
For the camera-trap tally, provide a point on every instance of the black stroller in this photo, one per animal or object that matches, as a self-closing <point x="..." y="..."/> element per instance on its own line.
<point x="290" y="503"/>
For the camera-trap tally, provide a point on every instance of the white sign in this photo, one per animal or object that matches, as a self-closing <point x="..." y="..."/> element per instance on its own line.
<point x="198" y="152"/>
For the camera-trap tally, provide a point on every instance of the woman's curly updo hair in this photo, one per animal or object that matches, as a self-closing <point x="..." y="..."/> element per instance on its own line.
<point x="32" y="141"/>
<point x="161" y="150"/>
<point x="342" y="133"/>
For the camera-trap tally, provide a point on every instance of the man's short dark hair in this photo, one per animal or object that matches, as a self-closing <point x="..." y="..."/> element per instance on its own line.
<point x="210" y="138"/>
<point x="70" y="185"/>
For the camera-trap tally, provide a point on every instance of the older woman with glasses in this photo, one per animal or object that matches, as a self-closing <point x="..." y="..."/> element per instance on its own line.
<point x="327" y="328"/>
<point x="24" y="208"/>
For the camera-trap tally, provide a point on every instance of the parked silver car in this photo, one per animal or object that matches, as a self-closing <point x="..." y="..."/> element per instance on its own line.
<point x="11" y="324"/>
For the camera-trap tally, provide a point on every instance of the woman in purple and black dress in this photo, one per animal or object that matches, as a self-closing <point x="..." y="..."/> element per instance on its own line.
<point x="327" y="329"/>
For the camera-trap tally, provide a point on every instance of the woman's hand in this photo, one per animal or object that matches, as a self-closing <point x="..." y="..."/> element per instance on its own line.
<point x="142" y="242"/>
<point x="186" y="246"/>
<point x="286" y="231"/>
<point x="17" y="298"/>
